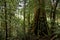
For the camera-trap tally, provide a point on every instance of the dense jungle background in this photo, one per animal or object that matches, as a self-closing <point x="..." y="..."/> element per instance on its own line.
<point x="29" y="19"/>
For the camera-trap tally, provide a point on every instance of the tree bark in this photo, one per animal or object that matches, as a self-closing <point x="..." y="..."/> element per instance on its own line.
<point x="40" y="23"/>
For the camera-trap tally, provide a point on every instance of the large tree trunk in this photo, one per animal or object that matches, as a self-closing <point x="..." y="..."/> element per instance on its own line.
<point x="40" y="23"/>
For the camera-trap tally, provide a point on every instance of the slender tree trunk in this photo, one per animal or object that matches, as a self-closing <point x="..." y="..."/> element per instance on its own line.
<point x="24" y="19"/>
<point x="53" y="13"/>
<point x="6" y="20"/>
